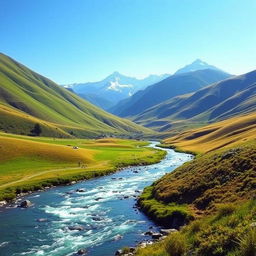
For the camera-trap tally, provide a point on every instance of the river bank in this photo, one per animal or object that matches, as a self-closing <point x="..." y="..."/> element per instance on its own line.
<point x="104" y="209"/>
<point x="33" y="164"/>
<point x="218" y="189"/>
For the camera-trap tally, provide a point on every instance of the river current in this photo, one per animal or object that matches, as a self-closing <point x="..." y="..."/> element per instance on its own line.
<point x="103" y="210"/>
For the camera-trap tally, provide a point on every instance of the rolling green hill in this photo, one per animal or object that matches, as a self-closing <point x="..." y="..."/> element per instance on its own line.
<point x="219" y="101"/>
<point x="27" y="98"/>
<point x="170" y="87"/>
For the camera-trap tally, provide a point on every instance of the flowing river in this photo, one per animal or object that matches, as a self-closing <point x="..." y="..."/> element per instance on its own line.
<point x="103" y="210"/>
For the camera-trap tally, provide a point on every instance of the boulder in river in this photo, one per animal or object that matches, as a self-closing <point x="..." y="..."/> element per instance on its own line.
<point x="2" y="203"/>
<point x="25" y="204"/>
<point x="156" y="235"/>
<point x="97" y="218"/>
<point x="118" y="253"/>
<point x="76" y="227"/>
<point x="149" y="233"/>
<point x="82" y="252"/>
<point x="168" y="231"/>
<point x="80" y="190"/>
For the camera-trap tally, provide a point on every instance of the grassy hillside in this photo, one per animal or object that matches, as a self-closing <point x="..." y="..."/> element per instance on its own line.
<point x="216" y="189"/>
<point x="229" y="232"/>
<point x="226" y="133"/>
<point x="30" y="163"/>
<point x="213" y="195"/>
<point x="219" y="101"/>
<point x="166" y="89"/>
<point x="220" y="176"/>
<point x="27" y="98"/>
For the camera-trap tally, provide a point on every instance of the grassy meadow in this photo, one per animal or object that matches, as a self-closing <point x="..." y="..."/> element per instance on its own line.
<point x="31" y="163"/>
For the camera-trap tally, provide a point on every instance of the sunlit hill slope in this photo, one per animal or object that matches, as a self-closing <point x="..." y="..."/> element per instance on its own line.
<point x="27" y="98"/>
<point x="225" y="133"/>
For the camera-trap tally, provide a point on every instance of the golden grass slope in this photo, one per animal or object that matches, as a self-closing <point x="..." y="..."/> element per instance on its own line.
<point x="31" y="163"/>
<point x="12" y="148"/>
<point x="225" y="133"/>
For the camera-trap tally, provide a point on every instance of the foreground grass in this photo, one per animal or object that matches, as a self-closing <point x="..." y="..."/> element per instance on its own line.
<point x="31" y="163"/>
<point x="217" y="189"/>
<point x="230" y="231"/>
<point x="170" y="215"/>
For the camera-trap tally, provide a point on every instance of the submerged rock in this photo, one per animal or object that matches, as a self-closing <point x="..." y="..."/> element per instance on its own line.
<point x="97" y="218"/>
<point x="25" y="204"/>
<point x="117" y="237"/>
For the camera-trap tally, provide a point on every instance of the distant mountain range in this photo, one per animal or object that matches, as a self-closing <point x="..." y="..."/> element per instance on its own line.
<point x="180" y="101"/>
<point x="112" y="89"/>
<point x="172" y="86"/>
<point x="27" y="98"/>
<point x="219" y="101"/>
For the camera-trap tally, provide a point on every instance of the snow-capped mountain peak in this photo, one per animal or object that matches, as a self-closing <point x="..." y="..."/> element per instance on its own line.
<point x="116" y="86"/>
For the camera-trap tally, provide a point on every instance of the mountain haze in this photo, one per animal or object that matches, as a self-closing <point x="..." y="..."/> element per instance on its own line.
<point x="112" y="89"/>
<point x="221" y="100"/>
<point x="172" y="86"/>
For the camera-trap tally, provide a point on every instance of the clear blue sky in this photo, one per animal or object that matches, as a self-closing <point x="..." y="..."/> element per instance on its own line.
<point x="85" y="40"/>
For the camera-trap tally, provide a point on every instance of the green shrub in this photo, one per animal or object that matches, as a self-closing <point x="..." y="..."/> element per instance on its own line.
<point x="176" y="244"/>
<point x="225" y="210"/>
<point x="196" y="226"/>
<point x="247" y="243"/>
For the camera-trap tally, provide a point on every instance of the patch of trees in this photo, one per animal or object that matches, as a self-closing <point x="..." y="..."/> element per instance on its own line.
<point x="36" y="130"/>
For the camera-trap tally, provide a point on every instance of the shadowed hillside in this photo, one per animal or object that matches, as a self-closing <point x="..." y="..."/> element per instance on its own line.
<point x="222" y="100"/>
<point x="166" y="89"/>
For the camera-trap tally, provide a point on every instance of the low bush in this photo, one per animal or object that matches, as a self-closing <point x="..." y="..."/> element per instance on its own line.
<point x="247" y="244"/>
<point x="175" y="244"/>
